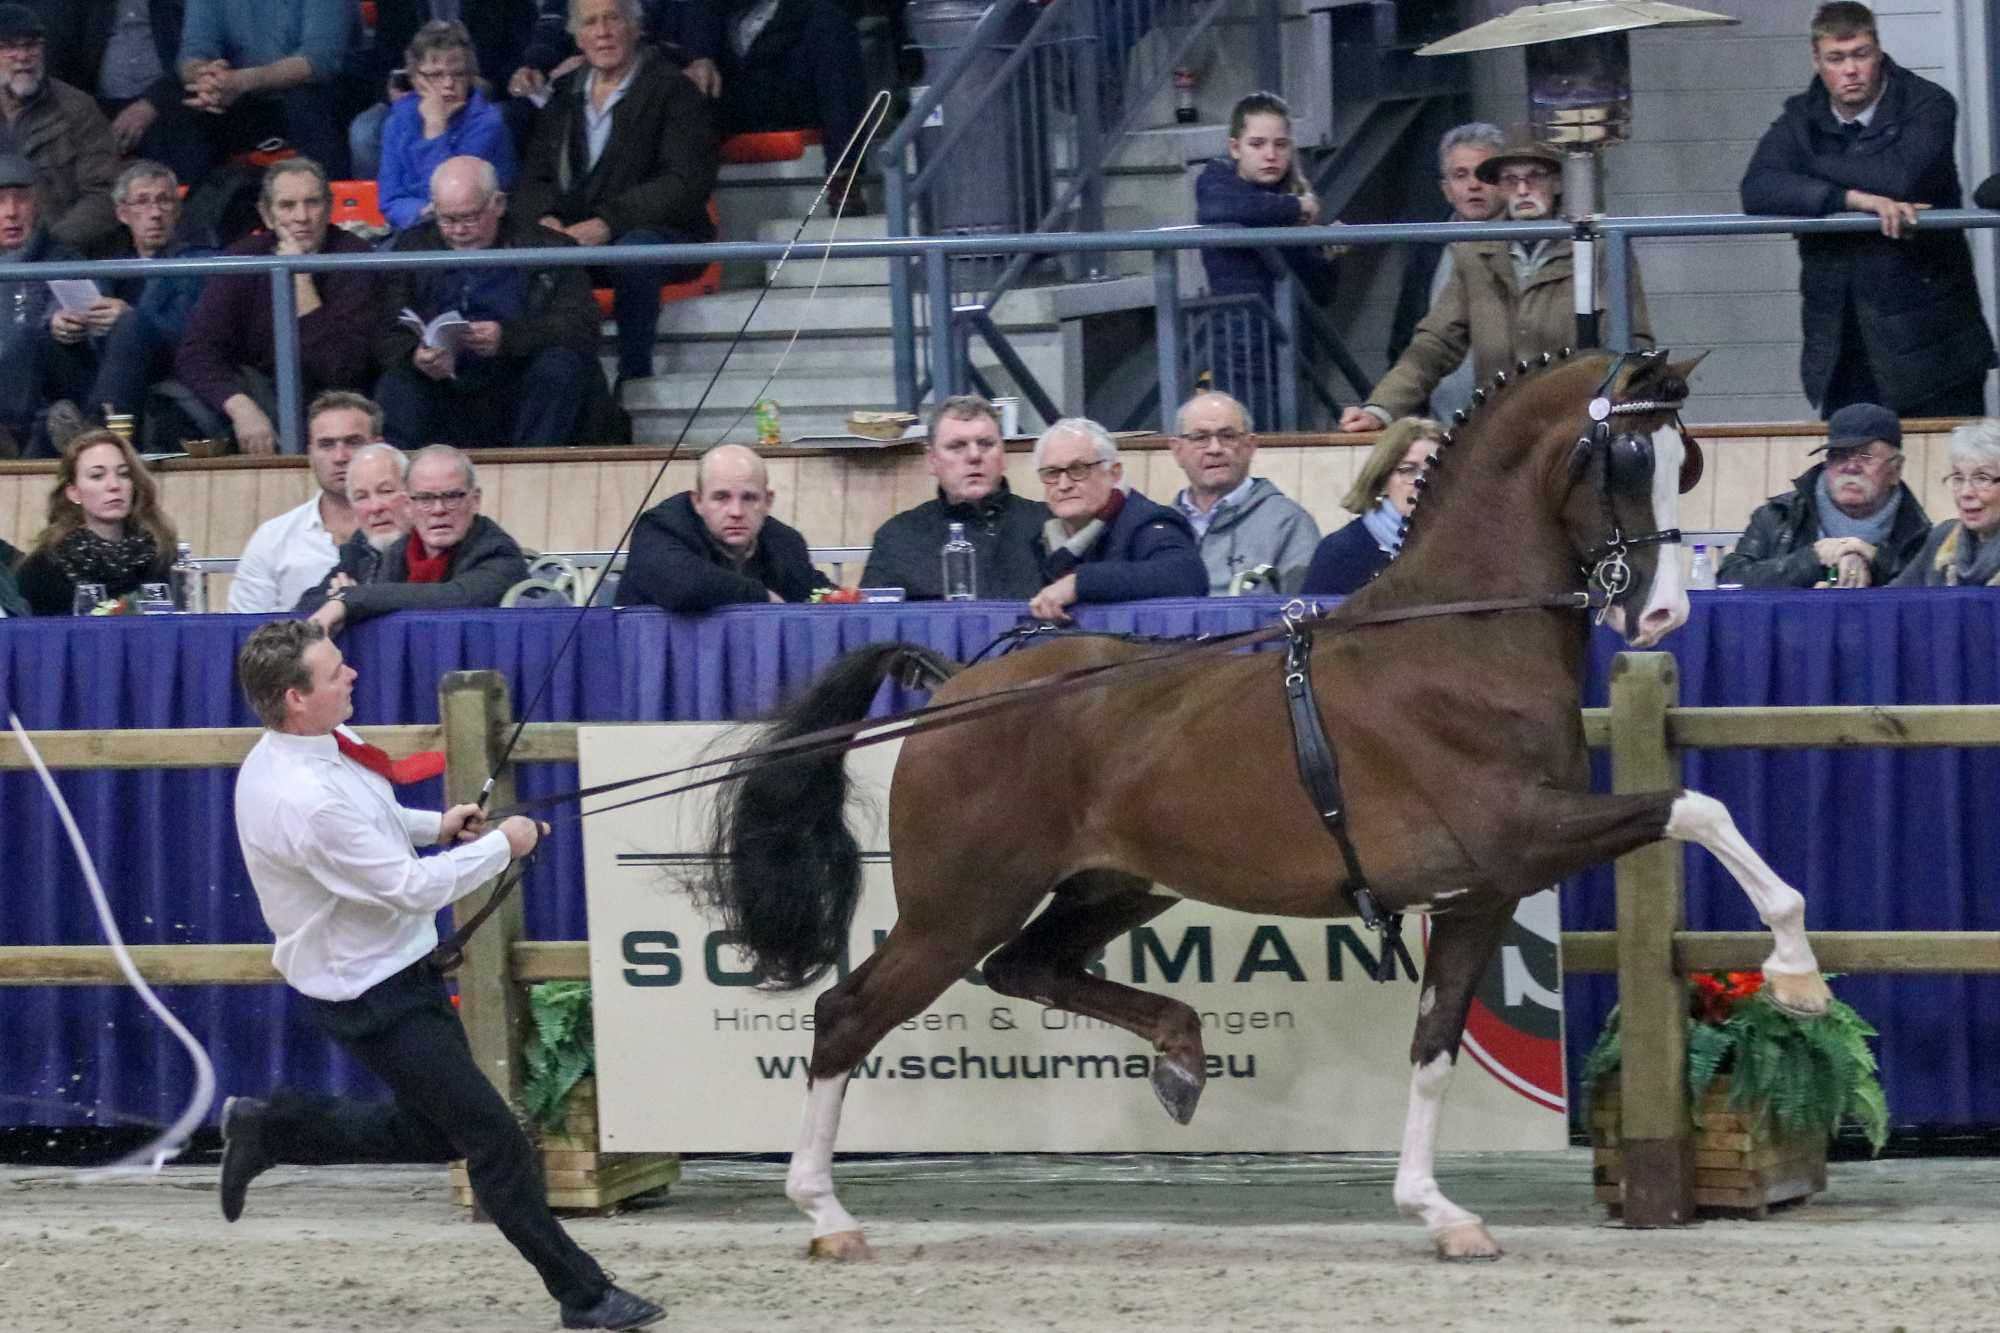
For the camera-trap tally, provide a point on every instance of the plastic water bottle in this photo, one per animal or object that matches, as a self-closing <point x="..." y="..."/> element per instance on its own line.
<point x="961" y="575"/>
<point x="190" y="585"/>
<point x="1701" y="571"/>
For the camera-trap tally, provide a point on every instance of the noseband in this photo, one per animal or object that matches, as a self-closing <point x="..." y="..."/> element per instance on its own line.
<point x="1620" y="465"/>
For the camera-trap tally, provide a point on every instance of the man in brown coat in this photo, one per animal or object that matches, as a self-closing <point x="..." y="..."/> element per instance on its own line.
<point x="60" y="130"/>
<point x="1507" y="300"/>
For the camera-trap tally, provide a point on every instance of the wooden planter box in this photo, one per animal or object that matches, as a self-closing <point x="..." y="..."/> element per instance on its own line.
<point x="577" y="1175"/>
<point x="1741" y="1167"/>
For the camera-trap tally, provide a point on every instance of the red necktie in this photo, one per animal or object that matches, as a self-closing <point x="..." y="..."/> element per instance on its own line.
<point x="402" y="772"/>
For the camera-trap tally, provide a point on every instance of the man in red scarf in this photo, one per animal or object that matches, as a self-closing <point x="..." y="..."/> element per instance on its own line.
<point x="452" y="556"/>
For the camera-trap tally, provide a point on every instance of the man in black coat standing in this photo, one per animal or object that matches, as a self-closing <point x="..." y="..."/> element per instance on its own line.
<point x="1891" y="318"/>
<point x="718" y="544"/>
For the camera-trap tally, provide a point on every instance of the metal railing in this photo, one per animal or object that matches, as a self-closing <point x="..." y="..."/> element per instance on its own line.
<point x="935" y="252"/>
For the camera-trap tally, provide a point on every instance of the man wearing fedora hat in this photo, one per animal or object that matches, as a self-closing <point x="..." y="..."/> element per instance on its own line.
<point x="59" y="129"/>
<point x="1850" y="514"/>
<point x="1506" y="300"/>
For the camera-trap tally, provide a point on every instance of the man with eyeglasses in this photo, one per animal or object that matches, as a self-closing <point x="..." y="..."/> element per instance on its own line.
<point x="1891" y="316"/>
<point x="966" y="456"/>
<point x="1848" y="521"/>
<point x="1104" y="541"/>
<point x="1427" y="265"/>
<point x="453" y="556"/>
<point x="522" y="370"/>
<point x="1506" y="301"/>
<point x="59" y="129"/>
<point x="1242" y="524"/>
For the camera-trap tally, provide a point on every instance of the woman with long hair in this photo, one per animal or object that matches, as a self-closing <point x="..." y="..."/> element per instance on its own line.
<point x="1381" y="498"/>
<point x="105" y="526"/>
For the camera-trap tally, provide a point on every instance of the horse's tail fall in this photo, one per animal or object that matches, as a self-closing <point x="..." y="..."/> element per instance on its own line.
<point x="784" y="872"/>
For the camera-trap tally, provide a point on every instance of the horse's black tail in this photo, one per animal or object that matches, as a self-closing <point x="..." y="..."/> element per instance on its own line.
<point x="784" y="872"/>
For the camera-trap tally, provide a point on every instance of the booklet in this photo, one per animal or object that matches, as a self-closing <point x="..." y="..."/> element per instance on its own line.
<point x="446" y="331"/>
<point x="74" y="295"/>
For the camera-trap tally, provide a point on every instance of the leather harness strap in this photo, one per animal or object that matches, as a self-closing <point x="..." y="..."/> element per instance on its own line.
<point x="1320" y="772"/>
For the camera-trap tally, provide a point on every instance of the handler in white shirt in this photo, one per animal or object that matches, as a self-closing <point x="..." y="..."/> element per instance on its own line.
<point x="333" y="858"/>
<point x="288" y="555"/>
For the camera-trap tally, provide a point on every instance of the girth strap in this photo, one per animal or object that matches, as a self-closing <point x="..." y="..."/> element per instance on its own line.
<point x="1320" y="772"/>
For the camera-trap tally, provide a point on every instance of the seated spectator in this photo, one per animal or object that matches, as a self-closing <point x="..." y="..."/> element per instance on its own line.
<point x="136" y="323"/>
<point x="718" y="544"/>
<point x="227" y="358"/>
<point x="1257" y="185"/>
<point x="444" y="117"/>
<point x="378" y="491"/>
<point x="1381" y="498"/>
<point x="12" y="602"/>
<point x="1241" y="523"/>
<point x="623" y="154"/>
<point x="525" y="370"/>
<point x="265" y="69"/>
<point x="291" y="553"/>
<point x="796" y="64"/>
<point x="1851" y="513"/>
<point x="1105" y="541"/>
<point x="453" y="556"/>
<point x="965" y="454"/>
<point x="1964" y="552"/>
<point x="35" y="369"/>
<point x="105" y="526"/>
<point x="126" y="53"/>
<point x="499" y="32"/>
<point x="59" y="129"/>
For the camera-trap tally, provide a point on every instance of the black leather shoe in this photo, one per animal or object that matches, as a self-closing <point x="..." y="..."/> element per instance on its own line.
<point x="616" y="1308"/>
<point x="244" y="1153"/>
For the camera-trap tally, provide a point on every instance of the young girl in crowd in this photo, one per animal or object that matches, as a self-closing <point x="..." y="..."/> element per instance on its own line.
<point x="105" y="526"/>
<point x="1258" y="185"/>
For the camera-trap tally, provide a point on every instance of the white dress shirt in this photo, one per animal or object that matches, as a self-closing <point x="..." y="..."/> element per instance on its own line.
<point x="285" y="557"/>
<point x="333" y="859"/>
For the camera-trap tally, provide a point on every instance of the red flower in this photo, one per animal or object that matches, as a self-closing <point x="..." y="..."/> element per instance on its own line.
<point x="1713" y="996"/>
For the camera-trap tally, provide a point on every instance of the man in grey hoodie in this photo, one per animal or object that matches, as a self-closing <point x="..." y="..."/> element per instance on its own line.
<point x="1242" y="523"/>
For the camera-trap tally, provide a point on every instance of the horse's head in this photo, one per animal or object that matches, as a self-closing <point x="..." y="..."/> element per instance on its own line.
<point x="1625" y="472"/>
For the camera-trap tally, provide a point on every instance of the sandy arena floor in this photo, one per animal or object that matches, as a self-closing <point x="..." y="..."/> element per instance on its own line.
<point x="1215" y="1245"/>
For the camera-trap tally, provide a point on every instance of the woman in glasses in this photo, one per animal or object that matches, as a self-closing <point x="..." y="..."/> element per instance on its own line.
<point x="1382" y="497"/>
<point x="444" y="115"/>
<point x="1965" y="551"/>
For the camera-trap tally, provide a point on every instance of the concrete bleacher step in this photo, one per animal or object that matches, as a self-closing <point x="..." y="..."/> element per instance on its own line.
<point x="803" y="267"/>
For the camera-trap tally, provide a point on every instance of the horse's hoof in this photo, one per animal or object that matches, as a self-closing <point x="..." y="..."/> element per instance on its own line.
<point x="1800" y="994"/>
<point x="1178" y="1090"/>
<point x="1467" y="1242"/>
<point x="842" y="1247"/>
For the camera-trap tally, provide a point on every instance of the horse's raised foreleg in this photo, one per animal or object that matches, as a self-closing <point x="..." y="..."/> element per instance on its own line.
<point x="1462" y="944"/>
<point x="1046" y="962"/>
<point x="1791" y="973"/>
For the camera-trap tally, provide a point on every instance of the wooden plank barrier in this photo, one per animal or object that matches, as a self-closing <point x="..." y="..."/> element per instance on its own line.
<point x="1651" y="951"/>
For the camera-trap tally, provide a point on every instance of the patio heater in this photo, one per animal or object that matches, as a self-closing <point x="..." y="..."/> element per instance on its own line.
<point x="1579" y="96"/>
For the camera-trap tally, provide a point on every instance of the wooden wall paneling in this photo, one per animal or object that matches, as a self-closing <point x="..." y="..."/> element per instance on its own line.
<point x="572" y="509"/>
<point x="871" y="498"/>
<point x="1927" y="460"/>
<point x="1739" y="470"/>
<point x="1324" y="476"/>
<point x="1021" y="475"/>
<point x="819" y="504"/>
<point x="235" y="510"/>
<point x="184" y="497"/>
<point x="782" y="476"/>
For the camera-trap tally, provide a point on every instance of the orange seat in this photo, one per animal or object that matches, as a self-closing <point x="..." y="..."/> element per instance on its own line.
<point x="708" y="281"/>
<point x="357" y="201"/>
<point x="767" y="146"/>
<point x="369" y="15"/>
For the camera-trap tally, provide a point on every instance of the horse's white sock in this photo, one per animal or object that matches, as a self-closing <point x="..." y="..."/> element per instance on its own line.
<point x="1417" y="1192"/>
<point x="809" y="1180"/>
<point x="1703" y="819"/>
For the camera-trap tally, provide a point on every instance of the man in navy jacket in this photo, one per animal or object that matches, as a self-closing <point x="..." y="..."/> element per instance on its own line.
<point x="1105" y="541"/>
<point x="1891" y="318"/>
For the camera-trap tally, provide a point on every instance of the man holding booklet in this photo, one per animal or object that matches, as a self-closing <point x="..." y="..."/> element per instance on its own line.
<point x="486" y="356"/>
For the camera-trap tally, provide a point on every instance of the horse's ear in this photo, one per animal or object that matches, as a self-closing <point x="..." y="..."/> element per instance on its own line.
<point x="1681" y="370"/>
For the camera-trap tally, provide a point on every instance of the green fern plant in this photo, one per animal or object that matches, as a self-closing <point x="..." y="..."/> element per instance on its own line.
<point x="560" y="1052"/>
<point x="1808" y="1075"/>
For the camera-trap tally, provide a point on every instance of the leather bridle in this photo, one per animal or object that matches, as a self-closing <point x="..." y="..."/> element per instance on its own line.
<point x="1620" y="464"/>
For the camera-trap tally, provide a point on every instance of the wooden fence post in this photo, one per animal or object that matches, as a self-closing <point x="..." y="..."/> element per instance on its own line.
<point x="1658" y="1149"/>
<point x="476" y="712"/>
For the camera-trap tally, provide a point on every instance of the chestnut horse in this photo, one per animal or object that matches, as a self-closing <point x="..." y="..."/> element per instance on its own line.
<point x="1457" y="735"/>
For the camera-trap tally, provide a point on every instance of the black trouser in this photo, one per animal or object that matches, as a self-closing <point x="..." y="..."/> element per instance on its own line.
<point x="1853" y="381"/>
<point x="813" y="77"/>
<point x="403" y="1030"/>
<point x="540" y="401"/>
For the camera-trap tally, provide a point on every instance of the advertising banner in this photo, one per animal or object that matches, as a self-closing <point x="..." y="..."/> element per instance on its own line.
<point x="1306" y="1052"/>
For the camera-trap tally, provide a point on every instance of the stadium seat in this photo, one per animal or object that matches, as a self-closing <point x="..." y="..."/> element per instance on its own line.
<point x="705" y="283"/>
<point x="767" y="146"/>
<point x="357" y="201"/>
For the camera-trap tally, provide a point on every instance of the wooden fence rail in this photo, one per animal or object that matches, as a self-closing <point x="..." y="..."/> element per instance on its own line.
<point x="1652" y="951"/>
